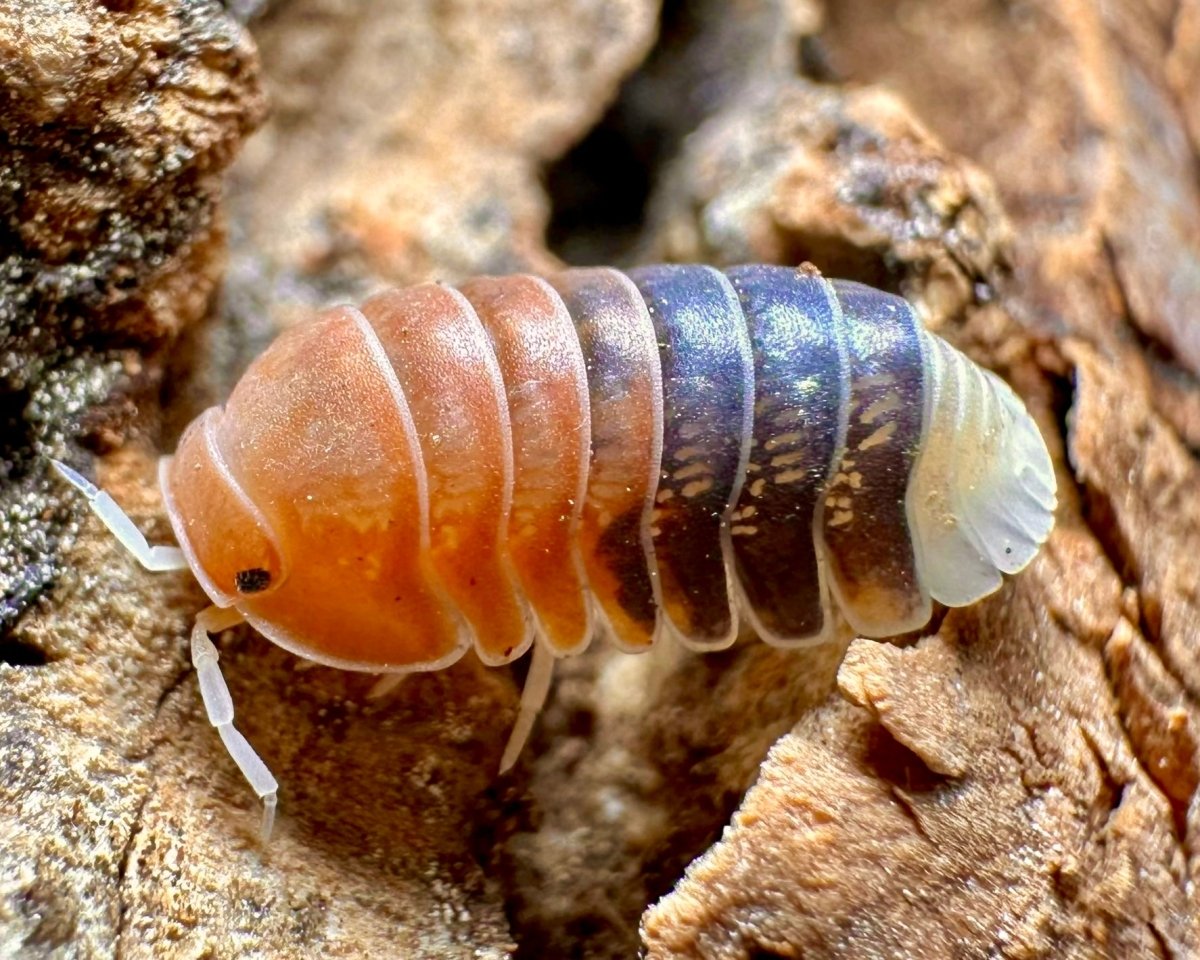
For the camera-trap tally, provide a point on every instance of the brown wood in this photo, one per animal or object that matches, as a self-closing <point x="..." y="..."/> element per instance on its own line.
<point x="1021" y="782"/>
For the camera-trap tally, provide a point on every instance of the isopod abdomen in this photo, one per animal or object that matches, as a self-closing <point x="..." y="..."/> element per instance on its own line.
<point x="673" y="450"/>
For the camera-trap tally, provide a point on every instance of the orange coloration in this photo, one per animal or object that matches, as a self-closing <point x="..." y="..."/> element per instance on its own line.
<point x="446" y="368"/>
<point x="319" y="436"/>
<point x="546" y="386"/>
<point x="625" y="382"/>
<point x="217" y="521"/>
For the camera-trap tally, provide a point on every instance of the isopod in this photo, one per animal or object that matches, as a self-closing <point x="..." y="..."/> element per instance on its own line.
<point x="523" y="462"/>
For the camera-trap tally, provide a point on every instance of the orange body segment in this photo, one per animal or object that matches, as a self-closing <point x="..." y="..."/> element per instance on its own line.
<point x="319" y="436"/>
<point x="625" y="385"/>
<point x="447" y="370"/>
<point x="222" y="532"/>
<point x="546" y="386"/>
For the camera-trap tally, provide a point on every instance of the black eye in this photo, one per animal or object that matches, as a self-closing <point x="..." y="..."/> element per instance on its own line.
<point x="252" y="580"/>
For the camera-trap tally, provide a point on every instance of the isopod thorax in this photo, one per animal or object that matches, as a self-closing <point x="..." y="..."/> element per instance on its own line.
<point x="673" y="450"/>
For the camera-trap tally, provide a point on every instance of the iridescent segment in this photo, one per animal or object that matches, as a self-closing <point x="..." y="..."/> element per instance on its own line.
<point x="865" y="522"/>
<point x="708" y="393"/>
<point x="799" y="401"/>
<point x="675" y="450"/>
<point x="625" y="383"/>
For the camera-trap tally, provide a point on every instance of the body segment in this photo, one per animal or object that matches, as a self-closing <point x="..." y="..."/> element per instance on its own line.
<point x="625" y="387"/>
<point x="800" y="393"/>
<point x="449" y="374"/>
<point x="707" y="386"/>
<point x="546" y="386"/>
<point x="874" y="577"/>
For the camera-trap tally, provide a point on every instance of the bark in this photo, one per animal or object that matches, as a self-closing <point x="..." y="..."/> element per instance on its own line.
<point x="1019" y="780"/>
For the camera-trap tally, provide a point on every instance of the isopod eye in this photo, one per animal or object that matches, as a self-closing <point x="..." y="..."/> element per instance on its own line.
<point x="224" y="536"/>
<point x="252" y="580"/>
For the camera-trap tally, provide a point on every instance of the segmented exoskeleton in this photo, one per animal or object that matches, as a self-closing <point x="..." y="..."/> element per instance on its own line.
<point x="676" y="449"/>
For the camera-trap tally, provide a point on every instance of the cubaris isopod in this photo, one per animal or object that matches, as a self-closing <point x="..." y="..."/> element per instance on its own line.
<point x="523" y="462"/>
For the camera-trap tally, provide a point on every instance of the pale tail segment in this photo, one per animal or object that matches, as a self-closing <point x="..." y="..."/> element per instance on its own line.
<point x="983" y="496"/>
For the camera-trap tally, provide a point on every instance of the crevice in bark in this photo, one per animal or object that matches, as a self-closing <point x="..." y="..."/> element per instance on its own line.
<point x="1158" y="356"/>
<point x="899" y="766"/>
<point x="1149" y="758"/>
<point x="599" y="189"/>
<point x="813" y="60"/>
<point x="1114" y="788"/>
<point x="841" y="257"/>
<point x="18" y="653"/>
<point x="762" y="953"/>
<point x="1160" y="941"/>
<point x="905" y="805"/>
<point x="171" y="687"/>
<point x="1099" y="514"/>
<point x="123" y="869"/>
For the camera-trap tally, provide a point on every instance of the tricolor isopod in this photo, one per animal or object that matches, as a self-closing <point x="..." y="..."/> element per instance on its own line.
<point x="516" y="461"/>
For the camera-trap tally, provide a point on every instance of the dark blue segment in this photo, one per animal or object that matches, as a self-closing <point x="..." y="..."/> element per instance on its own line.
<point x="800" y="393"/>
<point x="866" y="522"/>
<point x="707" y="374"/>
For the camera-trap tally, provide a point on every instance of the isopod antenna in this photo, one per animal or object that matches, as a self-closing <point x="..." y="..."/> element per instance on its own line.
<point x="218" y="704"/>
<point x="157" y="559"/>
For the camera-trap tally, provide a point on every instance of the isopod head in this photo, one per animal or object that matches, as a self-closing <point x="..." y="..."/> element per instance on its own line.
<point x="222" y="533"/>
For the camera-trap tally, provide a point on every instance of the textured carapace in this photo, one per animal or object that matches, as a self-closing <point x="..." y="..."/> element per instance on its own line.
<point x="676" y="449"/>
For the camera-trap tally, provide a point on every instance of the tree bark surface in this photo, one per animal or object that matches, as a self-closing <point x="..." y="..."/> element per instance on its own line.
<point x="1019" y="780"/>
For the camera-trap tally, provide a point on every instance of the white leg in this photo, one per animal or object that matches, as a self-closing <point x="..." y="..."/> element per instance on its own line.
<point x="155" y="559"/>
<point x="533" y="698"/>
<point x="219" y="707"/>
<point x="386" y="684"/>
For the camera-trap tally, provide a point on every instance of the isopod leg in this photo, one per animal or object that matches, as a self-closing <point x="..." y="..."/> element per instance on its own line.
<point x="154" y="559"/>
<point x="533" y="698"/>
<point x="218" y="705"/>
<point x="386" y="684"/>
